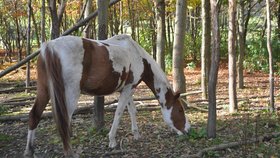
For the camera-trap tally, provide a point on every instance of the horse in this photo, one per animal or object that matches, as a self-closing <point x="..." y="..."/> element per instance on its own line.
<point x="70" y="65"/>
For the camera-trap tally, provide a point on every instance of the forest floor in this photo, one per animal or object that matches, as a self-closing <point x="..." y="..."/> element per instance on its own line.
<point x="252" y="120"/>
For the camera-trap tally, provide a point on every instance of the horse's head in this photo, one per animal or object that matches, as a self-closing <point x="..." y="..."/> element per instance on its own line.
<point x="174" y="114"/>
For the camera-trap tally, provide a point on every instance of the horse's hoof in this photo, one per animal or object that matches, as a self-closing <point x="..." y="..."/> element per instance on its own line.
<point x="72" y="156"/>
<point x="112" y="144"/>
<point x="28" y="154"/>
<point x="136" y="135"/>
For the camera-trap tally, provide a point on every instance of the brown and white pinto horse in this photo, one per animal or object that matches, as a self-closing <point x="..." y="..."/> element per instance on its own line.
<point x="70" y="65"/>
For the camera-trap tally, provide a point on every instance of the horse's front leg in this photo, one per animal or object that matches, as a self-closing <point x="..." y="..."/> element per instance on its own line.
<point x="132" y="112"/>
<point x="125" y="96"/>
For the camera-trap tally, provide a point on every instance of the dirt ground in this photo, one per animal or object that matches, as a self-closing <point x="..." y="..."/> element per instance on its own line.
<point x="252" y="120"/>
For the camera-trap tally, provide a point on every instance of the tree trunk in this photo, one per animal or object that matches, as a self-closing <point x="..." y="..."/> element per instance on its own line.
<point x="35" y="27"/>
<point x="56" y="17"/>
<point x="43" y="22"/>
<point x="271" y="71"/>
<point x="232" y="56"/>
<point x="27" y="83"/>
<point x="160" y="17"/>
<point x="18" y="39"/>
<point x="213" y="75"/>
<point x="205" y="46"/>
<point x="130" y="4"/>
<point x="88" y="10"/>
<point x="242" y="48"/>
<point x="98" y="116"/>
<point x="278" y="20"/>
<point x="179" y="83"/>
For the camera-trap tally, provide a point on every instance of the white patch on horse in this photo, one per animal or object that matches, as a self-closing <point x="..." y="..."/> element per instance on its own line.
<point x="125" y="55"/>
<point x="30" y="142"/>
<point x="71" y="54"/>
<point x="166" y="113"/>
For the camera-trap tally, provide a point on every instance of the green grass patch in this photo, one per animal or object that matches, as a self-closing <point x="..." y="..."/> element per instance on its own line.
<point x="3" y="110"/>
<point x="5" y="138"/>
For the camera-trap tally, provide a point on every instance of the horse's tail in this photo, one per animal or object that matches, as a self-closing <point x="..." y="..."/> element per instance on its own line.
<point x="57" y="93"/>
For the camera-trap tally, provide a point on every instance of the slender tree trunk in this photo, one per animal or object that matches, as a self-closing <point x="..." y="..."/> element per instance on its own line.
<point x="205" y="46"/>
<point x="102" y="34"/>
<point x="27" y="83"/>
<point x="18" y="39"/>
<point x="35" y="28"/>
<point x="179" y="83"/>
<point x="271" y="71"/>
<point x="213" y="75"/>
<point x="169" y="23"/>
<point x="131" y="14"/>
<point x="242" y="48"/>
<point x="232" y="56"/>
<point x="278" y="20"/>
<point x="153" y="34"/>
<point x="43" y="22"/>
<point x="160" y="17"/>
<point x="56" y="16"/>
<point x="88" y="10"/>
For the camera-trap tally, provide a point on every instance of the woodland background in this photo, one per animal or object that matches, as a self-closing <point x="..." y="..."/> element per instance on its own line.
<point x="242" y="51"/>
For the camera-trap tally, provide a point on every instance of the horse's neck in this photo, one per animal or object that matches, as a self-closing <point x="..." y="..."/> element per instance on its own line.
<point x="156" y="80"/>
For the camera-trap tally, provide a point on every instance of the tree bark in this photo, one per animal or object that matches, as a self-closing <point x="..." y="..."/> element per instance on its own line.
<point x="27" y="83"/>
<point x="179" y="83"/>
<point x="43" y="22"/>
<point x="205" y="46"/>
<point x="160" y="17"/>
<point x="213" y="75"/>
<point x="232" y="56"/>
<point x="278" y="20"/>
<point x="130" y="4"/>
<point x="56" y="17"/>
<point x="269" y="49"/>
<point x="242" y="48"/>
<point x="98" y="110"/>
<point x="88" y="10"/>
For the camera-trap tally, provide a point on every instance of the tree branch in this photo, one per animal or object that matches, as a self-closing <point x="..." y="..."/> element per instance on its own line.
<point x="266" y="137"/>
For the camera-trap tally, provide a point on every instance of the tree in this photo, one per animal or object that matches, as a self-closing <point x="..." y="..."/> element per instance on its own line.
<point x="241" y="42"/>
<point x="213" y="74"/>
<point x="232" y="56"/>
<point x="179" y="83"/>
<point x="160" y="17"/>
<point x="28" y="47"/>
<point x="102" y="34"/>
<point x="43" y="22"/>
<point x="205" y="45"/>
<point x="269" y="49"/>
<point x="56" y="17"/>
<point x="88" y="10"/>
<point x="278" y="20"/>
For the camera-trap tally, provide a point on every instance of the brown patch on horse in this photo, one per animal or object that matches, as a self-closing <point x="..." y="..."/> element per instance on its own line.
<point x="42" y="97"/>
<point x="177" y="114"/>
<point x="148" y="76"/>
<point x="98" y="76"/>
<point x="54" y="71"/>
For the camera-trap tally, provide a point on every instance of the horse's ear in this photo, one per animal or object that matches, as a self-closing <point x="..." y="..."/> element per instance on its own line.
<point x="177" y="95"/>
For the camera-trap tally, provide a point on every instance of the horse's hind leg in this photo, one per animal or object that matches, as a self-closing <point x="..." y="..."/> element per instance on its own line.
<point x="132" y="112"/>
<point x="41" y="101"/>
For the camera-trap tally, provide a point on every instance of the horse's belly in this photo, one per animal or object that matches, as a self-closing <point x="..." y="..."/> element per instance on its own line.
<point x="103" y="86"/>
